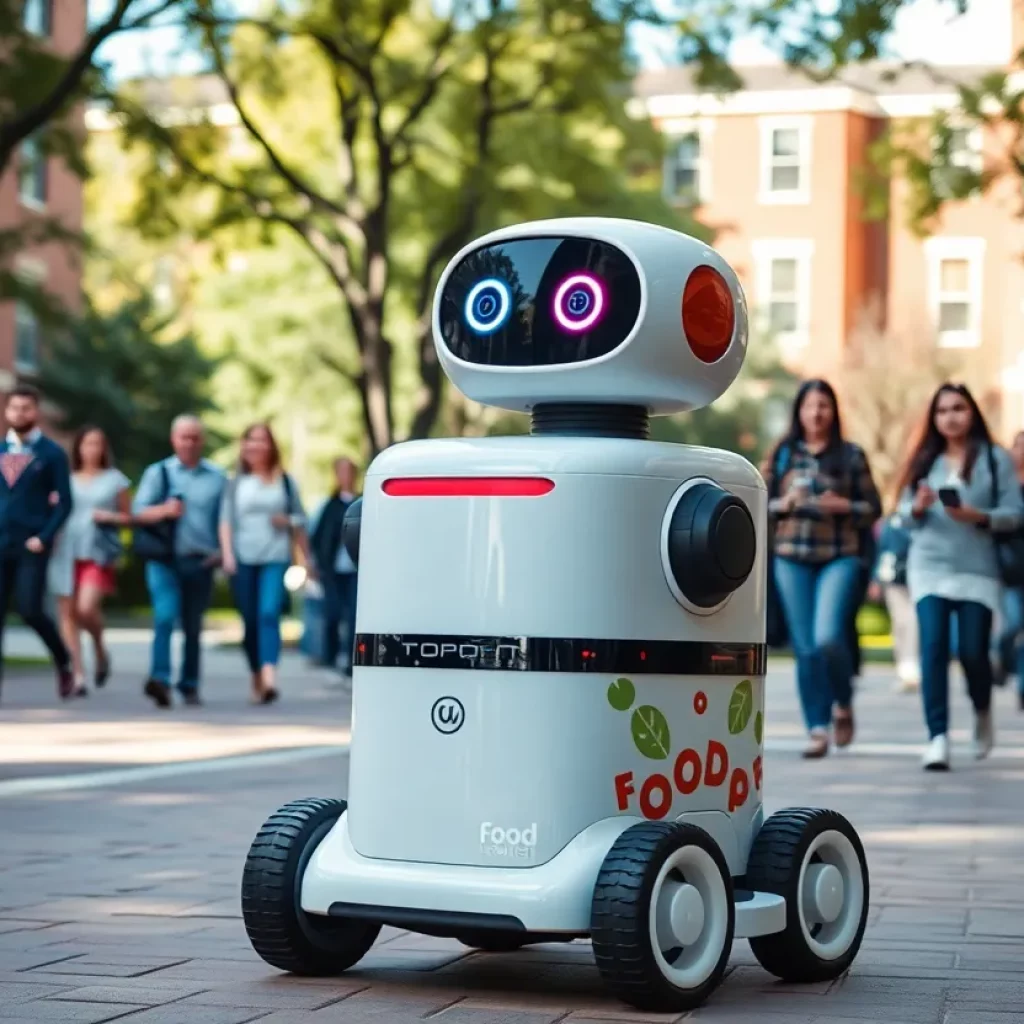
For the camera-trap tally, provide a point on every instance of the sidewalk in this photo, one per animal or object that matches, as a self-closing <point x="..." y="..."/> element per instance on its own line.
<point x="119" y="896"/>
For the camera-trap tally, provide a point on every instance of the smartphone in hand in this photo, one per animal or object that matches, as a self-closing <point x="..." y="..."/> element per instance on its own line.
<point x="950" y="497"/>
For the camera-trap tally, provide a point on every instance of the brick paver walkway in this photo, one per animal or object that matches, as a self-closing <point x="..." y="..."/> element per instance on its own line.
<point x="119" y="890"/>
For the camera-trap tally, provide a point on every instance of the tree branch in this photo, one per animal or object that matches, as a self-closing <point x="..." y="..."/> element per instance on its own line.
<point x="315" y="199"/>
<point x="31" y="120"/>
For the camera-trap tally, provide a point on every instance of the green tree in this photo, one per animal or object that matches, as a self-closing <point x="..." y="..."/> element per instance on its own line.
<point x="122" y="372"/>
<point x="822" y="41"/>
<point x="385" y="135"/>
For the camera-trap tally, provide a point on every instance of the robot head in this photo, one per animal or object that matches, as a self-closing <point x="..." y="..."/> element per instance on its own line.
<point x="590" y="309"/>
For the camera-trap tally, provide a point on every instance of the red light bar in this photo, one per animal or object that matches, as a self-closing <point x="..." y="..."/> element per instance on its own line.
<point x="468" y="487"/>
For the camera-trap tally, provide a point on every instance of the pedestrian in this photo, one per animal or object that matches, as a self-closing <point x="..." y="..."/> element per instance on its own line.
<point x="177" y="513"/>
<point x="889" y="587"/>
<point x="262" y="521"/>
<point x="33" y="469"/>
<point x="60" y="585"/>
<point x="1011" y="640"/>
<point x="822" y="499"/>
<point x="338" y="575"/>
<point x="90" y="547"/>
<point x="959" y="490"/>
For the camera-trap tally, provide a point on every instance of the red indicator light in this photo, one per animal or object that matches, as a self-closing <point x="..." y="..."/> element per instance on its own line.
<point x="362" y="648"/>
<point x="709" y="314"/>
<point x="643" y="655"/>
<point x="468" y="487"/>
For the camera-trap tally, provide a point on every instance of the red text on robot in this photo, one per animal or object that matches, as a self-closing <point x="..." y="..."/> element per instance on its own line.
<point x="689" y="772"/>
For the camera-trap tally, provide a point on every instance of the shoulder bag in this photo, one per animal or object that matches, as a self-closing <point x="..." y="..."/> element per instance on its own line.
<point x="1009" y="546"/>
<point x="154" y="542"/>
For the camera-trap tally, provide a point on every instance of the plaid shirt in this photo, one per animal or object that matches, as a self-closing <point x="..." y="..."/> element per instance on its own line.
<point x="806" y="534"/>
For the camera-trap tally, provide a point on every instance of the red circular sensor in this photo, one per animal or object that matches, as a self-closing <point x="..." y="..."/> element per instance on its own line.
<point x="709" y="314"/>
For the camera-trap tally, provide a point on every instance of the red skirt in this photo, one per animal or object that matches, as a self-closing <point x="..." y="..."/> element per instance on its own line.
<point x="102" y="577"/>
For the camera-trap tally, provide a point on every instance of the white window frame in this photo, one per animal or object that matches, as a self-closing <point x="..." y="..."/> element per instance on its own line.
<point x="31" y="202"/>
<point x="765" y="252"/>
<point x="938" y="249"/>
<point x="34" y="272"/>
<point x="803" y="126"/>
<point x="675" y="131"/>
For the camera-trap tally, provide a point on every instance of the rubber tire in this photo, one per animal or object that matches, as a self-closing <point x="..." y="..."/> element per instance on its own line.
<point x="493" y="942"/>
<point x="774" y="866"/>
<point x="620" y="916"/>
<point x="280" y="932"/>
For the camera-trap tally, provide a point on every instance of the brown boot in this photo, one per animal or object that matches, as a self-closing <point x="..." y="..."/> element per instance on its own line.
<point x="817" y="745"/>
<point x="842" y="726"/>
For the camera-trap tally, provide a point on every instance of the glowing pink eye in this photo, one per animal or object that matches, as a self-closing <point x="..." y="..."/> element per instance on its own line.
<point x="579" y="303"/>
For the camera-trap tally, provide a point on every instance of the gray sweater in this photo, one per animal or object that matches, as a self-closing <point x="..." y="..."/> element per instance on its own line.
<point x="942" y="545"/>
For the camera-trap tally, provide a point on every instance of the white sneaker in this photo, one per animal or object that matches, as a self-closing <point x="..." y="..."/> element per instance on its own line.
<point x="936" y="755"/>
<point x="983" y="734"/>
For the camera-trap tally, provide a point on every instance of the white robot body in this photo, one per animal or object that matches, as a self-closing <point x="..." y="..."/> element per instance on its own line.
<point x="455" y="582"/>
<point x="558" y="688"/>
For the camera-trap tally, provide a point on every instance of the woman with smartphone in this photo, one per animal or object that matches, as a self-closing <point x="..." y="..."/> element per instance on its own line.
<point x="959" y="489"/>
<point x="822" y="501"/>
<point x="261" y="520"/>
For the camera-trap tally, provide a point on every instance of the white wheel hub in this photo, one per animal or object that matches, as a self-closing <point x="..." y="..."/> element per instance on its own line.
<point x="689" y="915"/>
<point x="830" y="895"/>
<point x="823" y="892"/>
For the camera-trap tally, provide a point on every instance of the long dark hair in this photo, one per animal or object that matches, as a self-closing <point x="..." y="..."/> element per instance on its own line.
<point x="106" y="459"/>
<point x="344" y="459"/>
<point x="930" y="444"/>
<point x="275" y="452"/>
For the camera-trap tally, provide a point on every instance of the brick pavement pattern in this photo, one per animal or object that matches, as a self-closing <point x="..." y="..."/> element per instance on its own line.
<point x="121" y="901"/>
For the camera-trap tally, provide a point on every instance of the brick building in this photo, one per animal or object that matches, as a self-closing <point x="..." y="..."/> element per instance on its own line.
<point x="39" y="186"/>
<point x="777" y="170"/>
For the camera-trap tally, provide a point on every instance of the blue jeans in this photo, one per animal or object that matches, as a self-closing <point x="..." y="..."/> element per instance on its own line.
<point x="259" y="595"/>
<point x="974" y="633"/>
<point x="179" y="593"/>
<point x="339" y="617"/>
<point x="819" y="601"/>
<point x="1011" y="643"/>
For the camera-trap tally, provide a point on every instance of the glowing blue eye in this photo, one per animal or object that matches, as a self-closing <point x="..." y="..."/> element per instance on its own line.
<point x="488" y="305"/>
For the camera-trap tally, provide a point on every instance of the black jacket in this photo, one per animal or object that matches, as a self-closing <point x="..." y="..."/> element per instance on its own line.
<point x="27" y="479"/>
<point x="325" y="543"/>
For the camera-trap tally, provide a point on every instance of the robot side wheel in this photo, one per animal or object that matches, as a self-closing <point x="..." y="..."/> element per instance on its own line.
<point x="280" y="932"/>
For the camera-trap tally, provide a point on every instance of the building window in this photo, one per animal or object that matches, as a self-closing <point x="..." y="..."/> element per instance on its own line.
<point x="783" y="290"/>
<point x="955" y="277"/>
<point x="786" y="160"/>
<point x="27" y="337"/>
<point x="32" y="173"/>
<point x="36" y="17"/>
<point x="683" y="169"/>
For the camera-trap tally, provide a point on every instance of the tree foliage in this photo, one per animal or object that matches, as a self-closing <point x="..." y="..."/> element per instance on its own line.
<point x="823" y="40"/>
<point x="122" y="372"/>
<point x="385" y="135"/>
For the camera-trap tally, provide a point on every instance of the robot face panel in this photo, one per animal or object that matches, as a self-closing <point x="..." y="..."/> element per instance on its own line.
<point x="539" y="302"/>
<point x="590" y="310"/>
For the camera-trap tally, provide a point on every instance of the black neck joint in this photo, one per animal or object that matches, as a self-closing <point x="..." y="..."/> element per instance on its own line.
<point x="590" y="419"/>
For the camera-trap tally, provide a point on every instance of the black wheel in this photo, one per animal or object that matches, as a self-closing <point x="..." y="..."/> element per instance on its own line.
<point x="493" y="942"/>
<point x="814" y="859"/>
<point x="283" y="935"/>
<point x="663" y="916"/>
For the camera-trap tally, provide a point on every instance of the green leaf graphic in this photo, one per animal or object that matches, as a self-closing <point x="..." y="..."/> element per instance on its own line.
<point x="758" y="727"/>
<point x="741" y="703"/>
<point x="650" y="733"/>
<point x="621" y="694"/>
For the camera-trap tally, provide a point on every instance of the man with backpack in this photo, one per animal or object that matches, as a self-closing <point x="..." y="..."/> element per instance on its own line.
<point x="177" y="512"/>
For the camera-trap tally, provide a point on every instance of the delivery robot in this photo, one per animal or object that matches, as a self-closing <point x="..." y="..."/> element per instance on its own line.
<point x="558" y="693"/>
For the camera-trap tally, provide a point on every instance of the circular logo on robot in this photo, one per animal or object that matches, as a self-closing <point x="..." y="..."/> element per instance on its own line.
<point x="488" y="305"/>
<point x="447" y="715"/>
<point x="579" y="303"/>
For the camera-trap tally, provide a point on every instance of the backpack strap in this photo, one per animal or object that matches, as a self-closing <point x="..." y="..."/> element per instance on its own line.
<point x="780" y="466"/>
<point x="993" y="476"/>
